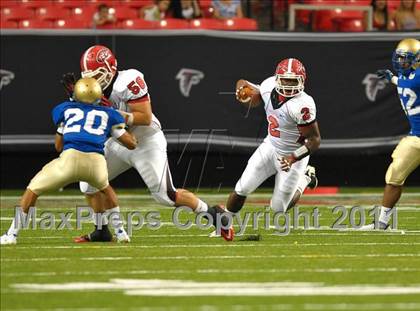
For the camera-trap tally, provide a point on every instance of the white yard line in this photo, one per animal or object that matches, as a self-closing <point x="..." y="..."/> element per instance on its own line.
<point x="216" y="257"/>
<point x="240" y="245"/>
<point x="257" y="307"/>
<point x="185" y="288"/>
<point x="207" y="271"/>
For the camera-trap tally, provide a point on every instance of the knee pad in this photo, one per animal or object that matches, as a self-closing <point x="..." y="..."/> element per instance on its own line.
<point x="85" y="188"/>
<point x="395" y="175"/>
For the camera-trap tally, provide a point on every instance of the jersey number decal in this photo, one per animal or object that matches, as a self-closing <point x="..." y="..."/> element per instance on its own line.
<point x="75" y="114"/>
<point x="136" y="86"/>
<point x="412" y="96"/>
<point x="306" y="115"/>
<point x="273" y="126"/>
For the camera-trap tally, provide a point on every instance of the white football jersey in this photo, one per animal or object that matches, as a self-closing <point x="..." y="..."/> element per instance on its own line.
<point x="285" y="117"/>
<point x="130" y="85"/>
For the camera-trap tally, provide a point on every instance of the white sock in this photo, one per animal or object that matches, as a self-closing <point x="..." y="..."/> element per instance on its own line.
<point x="385" y="214"/>
<point x="201" y="207"/>
<point x="115" y="218"/>
<point x="17" y="225"/>
<point x="99" y="219"/>
<point x="303" y="183"/>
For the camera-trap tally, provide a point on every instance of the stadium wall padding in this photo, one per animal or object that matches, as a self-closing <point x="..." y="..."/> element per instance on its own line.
<point x="191" y="79"/>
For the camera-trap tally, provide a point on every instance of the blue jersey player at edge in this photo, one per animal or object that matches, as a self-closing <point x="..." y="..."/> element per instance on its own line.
<point x="406" y="156"/>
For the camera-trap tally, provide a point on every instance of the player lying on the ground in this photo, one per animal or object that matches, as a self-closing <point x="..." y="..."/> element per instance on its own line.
<point x="293" y="135"/>
<point x="83" y="128"/>
<point x="127" y="91"/>
<point x="406" y="156"/>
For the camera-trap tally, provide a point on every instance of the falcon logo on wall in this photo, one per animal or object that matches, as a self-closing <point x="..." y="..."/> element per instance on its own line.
<point x="373" y="85"/>
<point x="6" y="77"/>
<point x="187" y="78"/>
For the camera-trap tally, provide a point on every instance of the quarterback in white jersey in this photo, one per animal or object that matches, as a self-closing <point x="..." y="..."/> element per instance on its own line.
<point x="292" y="135"/>
<point x="127" y="92"/>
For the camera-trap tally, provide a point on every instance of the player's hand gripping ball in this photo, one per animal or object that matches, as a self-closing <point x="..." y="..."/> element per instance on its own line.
<point x="244" y="94"/>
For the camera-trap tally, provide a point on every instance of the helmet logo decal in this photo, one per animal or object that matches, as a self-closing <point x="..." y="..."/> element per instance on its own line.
<point x="187" y="78"/>
<point x="373" y="85"/>
<point x="102" y="55"/>
<point x="6" y="77"/>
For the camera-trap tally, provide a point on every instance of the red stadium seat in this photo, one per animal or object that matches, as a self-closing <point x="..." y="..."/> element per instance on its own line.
<point x="110" y="3"/>
<point x="344" y="14"/>
<point x="393" y="4"/>
<point x="136" y="3"/>
<point x="139" y="24"/>
<point x="52" y="13"/>
<point x="16" y="13"/>
<point x="207" y="9"/>
<point x="173" y="23"/>
<point x="8" y="3"/>
<point x="323" y="21"/>
<point x="8" y="24"/>
<point x="123" y="12"/>
<point x="35" y="23"/>
<point x="240" y="24"/>
<point x="70" y="3"/>
<point x="351" y="25"/>
<point x="358" y="2"/>
<point x="34" y="4"/>
<point x="83" y="13"/>
<point x="206" y="23"/>
<point x="207" y="12"/>
<point x="71" y="24"/>
<point x="205" y="3"/>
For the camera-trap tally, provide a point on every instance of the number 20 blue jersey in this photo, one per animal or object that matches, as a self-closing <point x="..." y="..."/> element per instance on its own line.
<point x="86" y="127"/>
<point x="409" y="91"/>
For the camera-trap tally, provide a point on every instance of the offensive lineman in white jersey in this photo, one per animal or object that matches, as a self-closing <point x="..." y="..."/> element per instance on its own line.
<point x="293" y="134"/>
<point x="127" y="91"/>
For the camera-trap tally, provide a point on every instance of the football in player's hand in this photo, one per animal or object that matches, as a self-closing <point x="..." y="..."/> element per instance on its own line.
<point x="248" y="96"/>
<point x="244" y="94"/>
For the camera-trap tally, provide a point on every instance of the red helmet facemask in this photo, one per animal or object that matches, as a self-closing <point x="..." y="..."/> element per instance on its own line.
<point x="290" y="77"/>
<point x="98" y="62"/>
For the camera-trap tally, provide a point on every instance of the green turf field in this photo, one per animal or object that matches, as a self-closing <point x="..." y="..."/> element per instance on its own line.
<point x="171" y="269"/>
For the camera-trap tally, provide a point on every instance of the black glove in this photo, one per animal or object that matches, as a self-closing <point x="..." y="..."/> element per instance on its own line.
<point x="68" y="80"/>
<point x="385" y="74"/>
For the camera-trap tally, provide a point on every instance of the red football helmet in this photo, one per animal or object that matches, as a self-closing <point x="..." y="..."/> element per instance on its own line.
<point x="290" y="77"/>
<point x="98" y="62"/>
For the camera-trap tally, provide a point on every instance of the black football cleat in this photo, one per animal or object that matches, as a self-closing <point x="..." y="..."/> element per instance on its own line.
<point x="227" y="234"/>
<point x="103" y="235"/>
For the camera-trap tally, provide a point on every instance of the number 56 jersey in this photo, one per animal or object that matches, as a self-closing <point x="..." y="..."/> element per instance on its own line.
<point x="129" y="85"/>
<point x="285" y="116"/>
<point x="409" y="92"/>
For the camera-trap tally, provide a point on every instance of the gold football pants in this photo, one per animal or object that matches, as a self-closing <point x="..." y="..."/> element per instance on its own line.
<point x="406" y="158"/>
<point x="72" y="166"/>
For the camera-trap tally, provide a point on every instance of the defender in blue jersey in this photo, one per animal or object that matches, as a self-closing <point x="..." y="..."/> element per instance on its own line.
<point x="406" y="156"/>
<point x="83" y="128"/>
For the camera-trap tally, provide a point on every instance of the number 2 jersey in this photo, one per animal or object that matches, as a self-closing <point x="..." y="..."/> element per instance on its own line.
<point x="285" y="116"/>
<point x="129" y="85"/>
<point x="87" y="127"/>
<point x="409" y="92"/>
